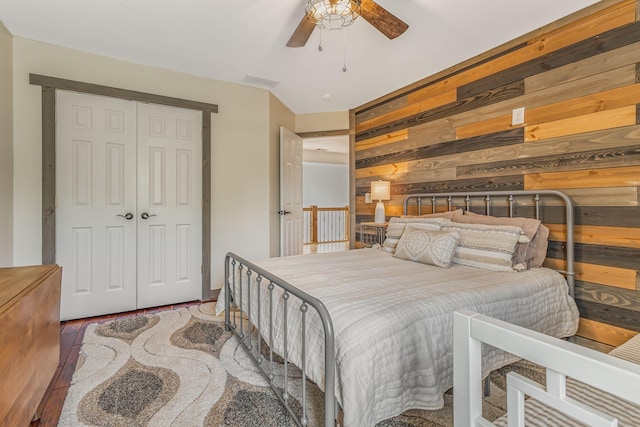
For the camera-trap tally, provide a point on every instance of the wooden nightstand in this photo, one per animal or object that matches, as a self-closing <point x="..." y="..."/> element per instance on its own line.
<point x="372" y="233"/>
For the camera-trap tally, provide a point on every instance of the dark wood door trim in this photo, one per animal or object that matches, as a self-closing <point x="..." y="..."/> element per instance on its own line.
<point x="323" y="133"/>
<point x="49" y="87"/>
<point x="114" y="92"/>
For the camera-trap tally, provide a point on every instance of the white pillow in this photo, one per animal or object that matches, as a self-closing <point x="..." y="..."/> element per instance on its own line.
<point x="396" y="228"/>
<point x="489" y="247"/>
<point x="427" y="246"/>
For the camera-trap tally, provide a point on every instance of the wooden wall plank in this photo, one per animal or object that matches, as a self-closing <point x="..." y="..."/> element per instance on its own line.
<point x="621" y="57"/>
<point x="484" y="127"/>
<point x="605" y="196"/>
<point x="601" y="274"/>
<point x="383" y="170"/>
<point x="504" y="183"/>
<point x="607" y="100"/>
<point x="625" y="237"/>
<point x="430" y="91"/>
<point x="621" y="298"/>
<point x="509" y="91"/>
<point x="610" y="157"/>
<point x="592" y="103"/>
<point x="623" y="11"/>
<point x="619" y="137"/>
<point x="382" y="140"/>
<point x="524" y="62"/>
<point x="598" y="254"/>
<point x="553" y="212"/>
<point x="624" y="116"/>
<point x="590" y="178"/>
<point x="424" y="139"/>
<point x="410" y="177"/>
<point x="603" y="332"/>
<point x="612" y="79"/>
<point x="615" y="38"/>
<point x="410" y="110"/>
<point x="428" y="128"/>
<point x="509" y="137"/>
<point x="383" y="108"/>
<point x="510" y="46"/>
<point x="619" y="317"/>
<point x="613" y="216"/>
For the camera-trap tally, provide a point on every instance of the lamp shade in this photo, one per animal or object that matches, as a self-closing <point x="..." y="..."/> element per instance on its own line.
<point x="380" y="190"/>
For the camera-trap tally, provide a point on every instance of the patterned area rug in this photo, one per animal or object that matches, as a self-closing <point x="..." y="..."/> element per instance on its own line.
<point x="180" y="368"/>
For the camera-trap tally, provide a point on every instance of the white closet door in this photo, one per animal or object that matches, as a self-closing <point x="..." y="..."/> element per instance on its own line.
<point x="169" y="205"/>
<point x="96" y="189"/>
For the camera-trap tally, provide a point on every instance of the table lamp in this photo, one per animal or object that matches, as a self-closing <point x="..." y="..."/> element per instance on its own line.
<point x="380" y="190"/>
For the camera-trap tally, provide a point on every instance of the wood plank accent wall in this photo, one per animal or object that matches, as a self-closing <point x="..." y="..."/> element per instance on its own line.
<point x="579" y="81"/>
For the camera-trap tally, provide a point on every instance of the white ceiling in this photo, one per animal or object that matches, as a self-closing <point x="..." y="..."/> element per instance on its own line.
<point x="228" y="40"/>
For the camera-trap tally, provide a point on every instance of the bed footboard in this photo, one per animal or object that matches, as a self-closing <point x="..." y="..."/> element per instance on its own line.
<point x="561" y="359"/>
<point x="245" y="280"/>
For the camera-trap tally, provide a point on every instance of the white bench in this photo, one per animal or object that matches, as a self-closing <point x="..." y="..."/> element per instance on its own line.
<point x="601" y="389"/>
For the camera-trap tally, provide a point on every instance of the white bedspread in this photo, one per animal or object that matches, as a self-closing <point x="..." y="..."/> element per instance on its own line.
<point x="393" y="323"/>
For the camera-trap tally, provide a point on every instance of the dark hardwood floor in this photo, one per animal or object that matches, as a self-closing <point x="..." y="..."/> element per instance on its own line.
<point x="71" y="334"/>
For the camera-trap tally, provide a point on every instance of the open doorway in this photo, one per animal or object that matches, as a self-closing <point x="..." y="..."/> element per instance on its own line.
<point x="326" y="193"/>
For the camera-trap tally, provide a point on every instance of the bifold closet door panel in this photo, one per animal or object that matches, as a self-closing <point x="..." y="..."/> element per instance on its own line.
<point x="169" y="205"/>
<point x="96" y="204"/>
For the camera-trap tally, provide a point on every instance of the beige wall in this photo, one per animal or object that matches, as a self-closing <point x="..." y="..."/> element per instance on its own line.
<point x="314" y="122"/>
<point x="6" y="148"/>
<point x="280" y="115"/>
<point x="241" y="178"/>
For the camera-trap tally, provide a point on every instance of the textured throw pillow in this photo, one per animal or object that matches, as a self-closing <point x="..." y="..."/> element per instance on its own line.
<point x="529" y="226"/>
<point x="489" y="247"/>
<point x="525" y="252"/>
<point x="538" y="247"/>
<point x="427" y="246"/>
<point x="396" y="228"/>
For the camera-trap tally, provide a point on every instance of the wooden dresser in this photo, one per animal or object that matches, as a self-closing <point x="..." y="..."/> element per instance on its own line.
<point x="29" y="339"/>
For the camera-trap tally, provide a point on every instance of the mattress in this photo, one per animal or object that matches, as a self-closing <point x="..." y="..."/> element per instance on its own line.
<point x="393" y="322"/>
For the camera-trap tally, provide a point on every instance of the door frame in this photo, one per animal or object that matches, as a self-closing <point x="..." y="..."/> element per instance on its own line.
<point x="49" y="86"/>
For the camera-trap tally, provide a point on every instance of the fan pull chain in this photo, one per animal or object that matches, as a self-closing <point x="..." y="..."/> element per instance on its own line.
<point x="320" y="43"/>
<point x="344" y="64"/>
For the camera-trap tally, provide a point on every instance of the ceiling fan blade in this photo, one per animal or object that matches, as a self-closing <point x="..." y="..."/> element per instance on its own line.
<point x="387" y="23"/>
<point x="302" y="33"/>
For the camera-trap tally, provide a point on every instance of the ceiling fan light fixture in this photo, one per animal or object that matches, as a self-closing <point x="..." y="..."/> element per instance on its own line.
<point x="333" y="14"/>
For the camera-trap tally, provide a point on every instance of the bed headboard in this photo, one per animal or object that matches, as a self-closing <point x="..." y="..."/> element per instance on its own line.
<point x="510" y="200"/>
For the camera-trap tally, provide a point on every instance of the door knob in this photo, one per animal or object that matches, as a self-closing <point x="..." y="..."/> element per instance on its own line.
<point x="146" y="215"/>
<point x="284" y="212"/>
<point x="128" y="216"/>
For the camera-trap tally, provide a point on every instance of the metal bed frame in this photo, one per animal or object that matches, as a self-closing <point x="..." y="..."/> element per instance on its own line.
<point x="235" y="282"/>
<point x="241" y="274"/>
<point x="489" y="199"/>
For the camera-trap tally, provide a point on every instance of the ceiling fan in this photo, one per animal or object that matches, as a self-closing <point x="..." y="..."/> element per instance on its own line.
<point x="384" y="21"/>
